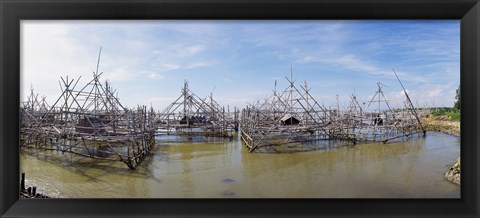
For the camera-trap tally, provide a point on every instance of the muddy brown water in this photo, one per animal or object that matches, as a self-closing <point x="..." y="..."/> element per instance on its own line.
<point x="410" y="169"/>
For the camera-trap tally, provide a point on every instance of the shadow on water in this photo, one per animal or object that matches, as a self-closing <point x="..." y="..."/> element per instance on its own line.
<point x="93" y="169"/>
<point x="303" y="147"/>
<point x="325" y="145"/>
<point x="228" y="180"/>
<point x="166" y="139"/>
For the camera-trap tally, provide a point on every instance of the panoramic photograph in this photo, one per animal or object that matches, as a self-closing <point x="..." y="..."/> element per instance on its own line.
<point x="240" y="109"/>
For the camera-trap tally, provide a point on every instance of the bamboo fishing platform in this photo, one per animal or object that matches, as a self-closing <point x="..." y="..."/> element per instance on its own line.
<point x="294" y="116"/>
<point x="88" y="121"/>
<point x="190" y="115"/>
<point x="289" y="116"/>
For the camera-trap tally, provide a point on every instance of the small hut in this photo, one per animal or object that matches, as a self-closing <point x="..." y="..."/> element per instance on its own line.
<point x="89" y="124"/>
<point x="289" y="120"/>
<point x="195" y="119"/>
<point x="378" y="121"/>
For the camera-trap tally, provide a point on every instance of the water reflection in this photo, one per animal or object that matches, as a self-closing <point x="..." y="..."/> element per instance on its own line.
<point x="225" y="169"/>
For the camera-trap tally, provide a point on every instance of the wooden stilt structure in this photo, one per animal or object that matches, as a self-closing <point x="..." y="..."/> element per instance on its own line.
<point x="190" y="115"/>
<point x="89" y="121"/>
<point x="295" y="117"/>
<point x="287" y="117"/>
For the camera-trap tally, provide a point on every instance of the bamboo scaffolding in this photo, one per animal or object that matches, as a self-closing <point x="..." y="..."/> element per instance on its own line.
<point x="193" y="116"/>
<point x="90" y="122"/>
<point x="293" y="116"/>
<point x="290" y="116"/>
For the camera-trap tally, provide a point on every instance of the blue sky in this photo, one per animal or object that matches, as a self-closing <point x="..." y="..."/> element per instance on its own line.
<point x="239" y="61"/>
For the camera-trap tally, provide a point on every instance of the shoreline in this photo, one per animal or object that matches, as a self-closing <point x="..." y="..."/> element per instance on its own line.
<point x="440" y="124"/>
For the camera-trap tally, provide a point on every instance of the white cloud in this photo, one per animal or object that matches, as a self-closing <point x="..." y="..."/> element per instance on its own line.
<point x="428" y="95"/>
<point x="51" y="49"/>
<point x="154" y="76"/>
<point x="197" y="65"/>
<point x="433" y="93"/>
<point x="48" y="52"/>
<point x="169" y="66"/>
<point x="353" y="63"/>
<point x="349" y="62"/>
<point x="192" y="50"/>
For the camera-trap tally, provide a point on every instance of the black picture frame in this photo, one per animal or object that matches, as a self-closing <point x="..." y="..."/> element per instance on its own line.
<point x="12" y="11"/>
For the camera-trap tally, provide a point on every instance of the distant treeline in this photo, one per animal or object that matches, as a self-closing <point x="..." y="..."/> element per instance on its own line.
<point x="451" y="113"/>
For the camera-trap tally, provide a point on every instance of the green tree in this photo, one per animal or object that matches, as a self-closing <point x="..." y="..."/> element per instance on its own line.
<point x="457" y="98"/>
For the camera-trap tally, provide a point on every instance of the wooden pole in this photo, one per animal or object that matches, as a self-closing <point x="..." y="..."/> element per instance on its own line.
<point x="22" y="183"/>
